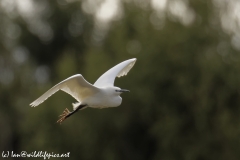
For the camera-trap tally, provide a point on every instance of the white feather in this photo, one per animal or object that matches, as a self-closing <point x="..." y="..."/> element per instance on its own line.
<point x="107" y="79"/>
<point x="75" y="85"/>
<point x="100" y="95"/>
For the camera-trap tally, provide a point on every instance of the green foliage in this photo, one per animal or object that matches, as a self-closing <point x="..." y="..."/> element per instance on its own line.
<point x="184" y="99"/>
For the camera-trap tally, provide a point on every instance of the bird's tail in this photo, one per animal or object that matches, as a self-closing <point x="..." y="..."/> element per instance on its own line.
<point x="75" y="105"/>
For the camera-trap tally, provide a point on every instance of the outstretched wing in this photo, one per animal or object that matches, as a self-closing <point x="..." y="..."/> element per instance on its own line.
<point x="107" y="79"/>
<point x="75" y="85"/>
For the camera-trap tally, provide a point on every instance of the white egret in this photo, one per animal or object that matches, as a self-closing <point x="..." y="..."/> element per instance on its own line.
<point x="102" y="94"/>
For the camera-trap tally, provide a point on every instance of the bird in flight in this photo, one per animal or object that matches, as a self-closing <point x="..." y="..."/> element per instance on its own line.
<point x="102" y="94"/>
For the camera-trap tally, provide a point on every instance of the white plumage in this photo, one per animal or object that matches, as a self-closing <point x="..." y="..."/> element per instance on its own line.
<point x="102" y="94"/>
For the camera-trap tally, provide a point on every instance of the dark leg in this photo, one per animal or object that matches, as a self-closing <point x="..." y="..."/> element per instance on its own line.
<point x="67" y="113"/>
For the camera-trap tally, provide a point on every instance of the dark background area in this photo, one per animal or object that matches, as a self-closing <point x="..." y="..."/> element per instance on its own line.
<point x="184" y="102"/>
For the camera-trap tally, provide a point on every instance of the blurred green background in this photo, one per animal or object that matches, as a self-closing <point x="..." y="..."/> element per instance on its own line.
<point x="184" y="102"/>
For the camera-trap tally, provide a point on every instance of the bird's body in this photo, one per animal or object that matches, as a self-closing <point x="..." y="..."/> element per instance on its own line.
<point x="104" y="98"/>
<point x="102" y="94"/>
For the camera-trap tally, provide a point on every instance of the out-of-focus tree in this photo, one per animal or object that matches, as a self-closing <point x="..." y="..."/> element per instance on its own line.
<point x="184" y="99"/>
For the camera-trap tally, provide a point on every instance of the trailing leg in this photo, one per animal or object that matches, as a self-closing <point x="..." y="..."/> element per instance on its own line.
<point x="66" y="113"/>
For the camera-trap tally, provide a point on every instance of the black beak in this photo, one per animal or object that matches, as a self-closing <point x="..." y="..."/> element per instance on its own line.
<point x="124" y="90"/>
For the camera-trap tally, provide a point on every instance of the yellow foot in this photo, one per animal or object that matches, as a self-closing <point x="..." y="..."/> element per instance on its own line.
<point x="63" y="116"/>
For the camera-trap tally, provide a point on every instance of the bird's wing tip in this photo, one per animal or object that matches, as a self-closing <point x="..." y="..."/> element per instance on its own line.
<point x="32" y="105"/>
<point x="134" y="59"/>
